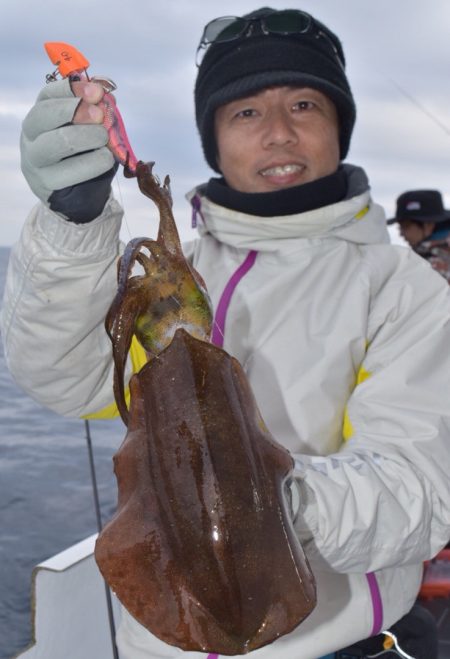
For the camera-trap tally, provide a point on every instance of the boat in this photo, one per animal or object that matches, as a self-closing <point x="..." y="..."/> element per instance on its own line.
<point x="70" y="609"/>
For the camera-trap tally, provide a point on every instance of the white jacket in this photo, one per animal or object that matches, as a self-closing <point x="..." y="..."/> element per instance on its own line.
<point x="345" y="340"/>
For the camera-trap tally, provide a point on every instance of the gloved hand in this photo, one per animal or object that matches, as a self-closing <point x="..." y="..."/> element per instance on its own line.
<point x="64" y="156"/>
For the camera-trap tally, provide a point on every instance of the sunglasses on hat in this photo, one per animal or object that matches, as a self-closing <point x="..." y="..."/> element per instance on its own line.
<point x="288" y="22"/>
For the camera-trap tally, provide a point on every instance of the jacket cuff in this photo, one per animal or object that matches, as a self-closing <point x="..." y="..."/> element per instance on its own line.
<point x="100" y="235"/>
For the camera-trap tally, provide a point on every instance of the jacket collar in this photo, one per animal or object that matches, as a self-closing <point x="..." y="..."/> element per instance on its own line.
<point x="355" y="219"/>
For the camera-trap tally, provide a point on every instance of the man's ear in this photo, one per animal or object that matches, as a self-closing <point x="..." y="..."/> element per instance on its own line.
<point x="218" y="160"/>
<point x="428" y="228"/>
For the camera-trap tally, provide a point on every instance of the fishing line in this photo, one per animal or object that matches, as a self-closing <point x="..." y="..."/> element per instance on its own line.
<point x="419" y="105"/>
<point x="215" y="323"/>
<point x="116" y="181"/>
<point x="112" y="626"/>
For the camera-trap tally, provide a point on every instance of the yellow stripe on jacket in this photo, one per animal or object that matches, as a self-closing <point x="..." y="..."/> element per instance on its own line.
<point x="138" y="359"/>
<point x="347" y="428"/>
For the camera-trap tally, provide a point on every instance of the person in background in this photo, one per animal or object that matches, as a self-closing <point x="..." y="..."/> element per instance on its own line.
<point x="425" y="225"/>
<point x="344" y="337"/>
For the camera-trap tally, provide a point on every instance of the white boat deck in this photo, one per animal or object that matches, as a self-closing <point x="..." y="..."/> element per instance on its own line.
<point x="69" y="607"/>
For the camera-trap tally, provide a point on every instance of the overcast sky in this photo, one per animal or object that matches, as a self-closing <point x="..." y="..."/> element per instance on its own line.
<point x="398" y="63"/>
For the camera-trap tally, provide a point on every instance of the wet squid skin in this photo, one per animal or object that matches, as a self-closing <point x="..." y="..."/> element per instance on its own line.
<point x="201" y="550"/>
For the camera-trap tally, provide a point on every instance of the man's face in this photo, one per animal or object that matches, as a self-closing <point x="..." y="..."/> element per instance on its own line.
<point x="277" y="138"/>
<point x="415" y="232"/>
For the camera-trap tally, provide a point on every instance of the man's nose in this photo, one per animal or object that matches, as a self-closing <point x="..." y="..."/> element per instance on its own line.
<point x="279" y="129"/>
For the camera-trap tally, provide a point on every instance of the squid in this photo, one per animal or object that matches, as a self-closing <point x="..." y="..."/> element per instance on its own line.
<point x="201" y="550"/>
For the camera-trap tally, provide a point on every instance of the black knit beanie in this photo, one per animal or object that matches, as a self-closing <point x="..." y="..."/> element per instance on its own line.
<point x="244" y="66"/>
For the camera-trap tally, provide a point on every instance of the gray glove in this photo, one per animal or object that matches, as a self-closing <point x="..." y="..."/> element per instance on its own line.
<point x="69" y="167"/>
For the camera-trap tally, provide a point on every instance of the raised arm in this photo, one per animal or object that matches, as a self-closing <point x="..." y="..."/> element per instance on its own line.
<point x="62" y="273"/>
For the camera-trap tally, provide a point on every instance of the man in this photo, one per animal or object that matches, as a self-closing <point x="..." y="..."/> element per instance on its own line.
<point x="344" y="338"/>
<point x="425" y="225"/>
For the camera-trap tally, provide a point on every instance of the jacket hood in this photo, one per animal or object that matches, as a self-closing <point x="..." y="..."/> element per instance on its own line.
<point x="356" y="219"/>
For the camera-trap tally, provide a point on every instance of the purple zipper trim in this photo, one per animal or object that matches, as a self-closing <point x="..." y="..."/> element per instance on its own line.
<point x="196" y="204"/>
<point x="377" y="604"/>
<point x="212" y="656"/>
<point x="224" y="302"/>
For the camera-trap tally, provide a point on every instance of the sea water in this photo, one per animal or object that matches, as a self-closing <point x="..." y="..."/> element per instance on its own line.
<point x="46" y="498"/>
